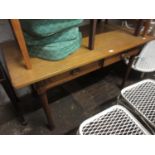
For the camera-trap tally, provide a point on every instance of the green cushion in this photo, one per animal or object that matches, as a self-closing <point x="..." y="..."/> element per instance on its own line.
<point x="47" y="27"/>
<point x="51" y="39"/>
<point x="56" y="50"/>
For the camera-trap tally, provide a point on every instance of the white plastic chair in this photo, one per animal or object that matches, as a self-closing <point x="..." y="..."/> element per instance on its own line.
<point x="145" y="62"/>
<point x="140" y="97"/>
<point x="115" y="120"/>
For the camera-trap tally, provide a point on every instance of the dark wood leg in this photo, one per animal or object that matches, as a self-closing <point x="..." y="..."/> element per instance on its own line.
<point x="45" y="105"/>
<point x="138" y="27"/>
<point x="99" y="21"/>
<point x="11" y="94"/>
<point x="14" y="102"/>
<point x="93" y="23"/>
<point x="106" y="21"/>
<point x="146" y="27"/>
<point x="33" y="90"/>
<point x="128" y="71"/>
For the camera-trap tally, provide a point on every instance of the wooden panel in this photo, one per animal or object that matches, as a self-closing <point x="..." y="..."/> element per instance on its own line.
<point x="42" y="69"/>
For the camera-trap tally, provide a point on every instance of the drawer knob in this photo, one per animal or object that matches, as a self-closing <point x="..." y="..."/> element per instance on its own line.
<point x="75" y="71"/>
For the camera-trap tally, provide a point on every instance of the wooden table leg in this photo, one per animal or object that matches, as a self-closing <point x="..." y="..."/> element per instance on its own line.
<point x="93" y="23"/>
<point x="138" y="27"/>
<point x="11" y="94"/>
<point x="33" y="91"/>
<point x="45" y="105"/>
<point x="146" y="27"/>
<point x="106" y="21"/>
<point x="128" y="71"/>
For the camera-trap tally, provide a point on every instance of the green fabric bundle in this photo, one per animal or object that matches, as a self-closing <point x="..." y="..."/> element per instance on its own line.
<point x="52" y="39"/>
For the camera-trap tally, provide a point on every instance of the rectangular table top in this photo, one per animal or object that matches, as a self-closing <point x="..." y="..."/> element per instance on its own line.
<point x="106" y="45"/>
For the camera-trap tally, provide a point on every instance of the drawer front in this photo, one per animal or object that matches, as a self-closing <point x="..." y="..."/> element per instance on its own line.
<point x="111" y="60"/>
<point x="121" y="56"/>
<point x="74" y="73"/>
